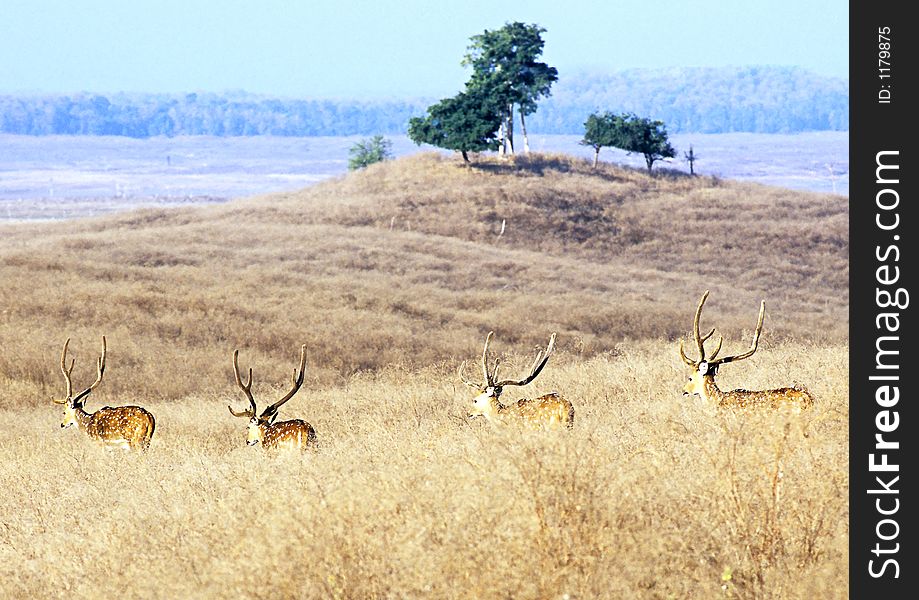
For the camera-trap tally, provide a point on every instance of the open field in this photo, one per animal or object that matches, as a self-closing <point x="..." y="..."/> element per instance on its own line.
<point x="60" y="177"/>
<point x="650" y="496"/>
<point x="392" y="276"/>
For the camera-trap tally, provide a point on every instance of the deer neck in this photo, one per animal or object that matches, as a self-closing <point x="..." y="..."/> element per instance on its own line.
<point x="83" y="418"/>
<point x="710" y="390"/>
<point x="495" y="412"/>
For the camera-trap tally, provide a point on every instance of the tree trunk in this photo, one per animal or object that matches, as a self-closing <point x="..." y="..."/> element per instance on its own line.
<point x="523" y="129"/>
<point x="509" y="117"/>
<point x="502" y="149"/>
<point x="650" y="160"/>
<point x="465" y="156"/>
<point x="596" y="156"/>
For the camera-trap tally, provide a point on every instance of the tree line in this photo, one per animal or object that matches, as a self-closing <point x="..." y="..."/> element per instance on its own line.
<point x="238" y="114"/>
<point x="698" y="100"/>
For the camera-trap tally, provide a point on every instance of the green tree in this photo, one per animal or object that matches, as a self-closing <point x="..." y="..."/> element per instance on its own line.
<point x="602" y="130"/>
<point x="646" y="137"/>
<point x="505" y="67"/>
<point x="630" y="133"/>
<point x="369" y="151"/>
<point x="467" y="122"/>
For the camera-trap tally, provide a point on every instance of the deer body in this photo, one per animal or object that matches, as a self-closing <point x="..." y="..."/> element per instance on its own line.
<point x="550" y="411"/>
<point x="790" y="398"/>
<point x="702" y="380"/>
<point x="282" y="435"/>
<point x="127" y="427"/>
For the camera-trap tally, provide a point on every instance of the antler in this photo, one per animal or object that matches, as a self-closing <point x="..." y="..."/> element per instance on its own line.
<point x="100" y="367"/>
<point x="245" y="387"/>
<point x="489" y="378"/>
<point x="748" y="353"/>
<point x="66" y="373"/>
<point x="462" y="376"/>
<point x="701" y="339"/>
<point x="541" y="359"/>
<point x="296" y="381"/>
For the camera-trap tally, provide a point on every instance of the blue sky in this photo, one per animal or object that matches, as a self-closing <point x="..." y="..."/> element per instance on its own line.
<point x="386" y="49"/>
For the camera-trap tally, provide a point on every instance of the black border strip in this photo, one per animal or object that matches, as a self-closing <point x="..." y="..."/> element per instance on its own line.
<point x="882" y="364"/>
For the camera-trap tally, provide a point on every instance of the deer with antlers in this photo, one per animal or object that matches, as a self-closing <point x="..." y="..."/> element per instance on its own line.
<point x="545" y="412"/>
<point x="127" y="427"/>
<point x="294" y="434"/>
<point x="702" y="380"/>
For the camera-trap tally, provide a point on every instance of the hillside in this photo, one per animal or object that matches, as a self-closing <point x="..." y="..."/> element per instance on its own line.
<point x="402" y="264"/>
<point x="392" y="276"/>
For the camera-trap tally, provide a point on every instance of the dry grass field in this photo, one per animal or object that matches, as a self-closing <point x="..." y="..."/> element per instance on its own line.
<point x="392" y="276"/>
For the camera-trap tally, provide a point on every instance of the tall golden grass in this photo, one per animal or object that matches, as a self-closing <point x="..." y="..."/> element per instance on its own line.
<point x="651" y="495"/>
<point x="392" y="276"/>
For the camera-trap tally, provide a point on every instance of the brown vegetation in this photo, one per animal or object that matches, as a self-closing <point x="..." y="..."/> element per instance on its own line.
<point x="649" y="496"/>
<point x="391" y="277"/>
<point x="401" y="263"/>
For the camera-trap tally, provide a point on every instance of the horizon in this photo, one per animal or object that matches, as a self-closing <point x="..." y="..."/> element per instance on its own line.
<point x="376" y="51"/>
<point x="598" y="72"/>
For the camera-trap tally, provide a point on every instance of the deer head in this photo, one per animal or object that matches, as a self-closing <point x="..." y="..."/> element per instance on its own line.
<point x="74" y="404"/>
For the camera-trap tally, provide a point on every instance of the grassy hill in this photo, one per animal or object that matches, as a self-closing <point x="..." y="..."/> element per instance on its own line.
<point x="403" y="264"/>
<point x="392" y="276"/>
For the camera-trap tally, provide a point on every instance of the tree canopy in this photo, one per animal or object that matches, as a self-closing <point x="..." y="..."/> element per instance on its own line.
<point x="646" y="137"/>
<point x="467" y="122"/>
<point x="505" y="66"/>
<point x="600" y="131"/>
<point x="628" y="132"/>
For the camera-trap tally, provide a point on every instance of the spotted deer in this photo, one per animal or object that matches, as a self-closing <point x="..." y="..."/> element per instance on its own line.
<point x="545" y="412"/>
<point x="294" y="434"/>
<point x="702" y="380"/>
<point x="126" y="427"/>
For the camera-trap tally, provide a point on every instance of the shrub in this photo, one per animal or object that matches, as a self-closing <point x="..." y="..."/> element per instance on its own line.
<point x="369" y="151"/>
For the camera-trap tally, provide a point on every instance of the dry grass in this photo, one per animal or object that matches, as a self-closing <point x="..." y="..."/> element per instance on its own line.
<point x="322" y="267"/>
<point x="391" y="277"/>
<point x="650" y="496"/>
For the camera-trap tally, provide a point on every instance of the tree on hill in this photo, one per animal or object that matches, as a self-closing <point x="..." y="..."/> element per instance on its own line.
<point x="505" y="66"/>
<point x="646" y="137"/>
<point x="628" y="132"/>
<point x="467" y="122"/>
<point x="602" y="131"/>
<point x="369" y="151"/>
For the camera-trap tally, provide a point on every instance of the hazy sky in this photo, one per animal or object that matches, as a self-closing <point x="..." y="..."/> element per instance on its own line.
<point x="381" y="48"/>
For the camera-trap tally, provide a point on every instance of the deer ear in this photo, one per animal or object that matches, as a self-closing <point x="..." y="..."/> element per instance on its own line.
<point x="703" y="368"/>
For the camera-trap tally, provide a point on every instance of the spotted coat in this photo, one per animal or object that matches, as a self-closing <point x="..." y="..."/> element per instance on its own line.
<point x="782" y="398"/>
<point x="550" y="411"/>
<point x="121" y="426"/>
<point x="293" y="434"/>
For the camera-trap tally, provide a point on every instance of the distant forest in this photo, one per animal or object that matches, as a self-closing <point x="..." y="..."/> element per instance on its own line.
<point x="698" y="100"/>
